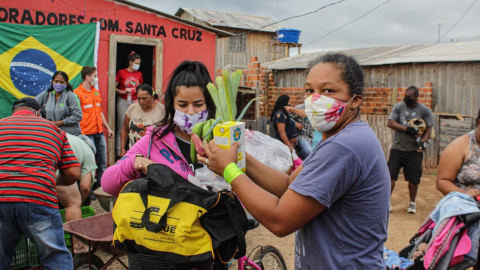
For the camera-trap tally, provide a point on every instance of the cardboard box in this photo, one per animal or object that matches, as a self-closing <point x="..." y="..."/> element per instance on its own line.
<point x="226" y="134"/>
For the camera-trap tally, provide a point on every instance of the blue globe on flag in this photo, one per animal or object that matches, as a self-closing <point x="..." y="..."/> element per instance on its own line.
<point x="31" y="71"/>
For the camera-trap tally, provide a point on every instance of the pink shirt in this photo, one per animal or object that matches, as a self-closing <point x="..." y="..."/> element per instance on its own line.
<point x="164" y="151"/>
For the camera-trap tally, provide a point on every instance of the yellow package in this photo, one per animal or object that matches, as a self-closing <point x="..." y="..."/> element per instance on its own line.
<point x="226" y="134"/>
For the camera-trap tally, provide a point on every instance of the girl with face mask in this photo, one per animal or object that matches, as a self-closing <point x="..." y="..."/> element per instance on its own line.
<point x="337" y="201"/>
<point x="128" y="79"/>
<point x="187" y="102"/>
<point x="59" y="104"/>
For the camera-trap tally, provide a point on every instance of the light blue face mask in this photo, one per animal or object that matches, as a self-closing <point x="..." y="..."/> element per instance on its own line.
<point x="59" y="87"/>
<point x="186" y="121"/>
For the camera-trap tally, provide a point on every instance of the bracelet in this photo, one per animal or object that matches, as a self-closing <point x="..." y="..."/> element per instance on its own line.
<point x="231" y="172"/>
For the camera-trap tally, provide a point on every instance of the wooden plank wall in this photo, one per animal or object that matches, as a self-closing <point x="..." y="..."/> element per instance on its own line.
<point x="289" y="78"/>
<point x="260" y="124"/>
<point x="378" y="123"/>
<point x="258" y="44"/>
<point x="451" y="128"/>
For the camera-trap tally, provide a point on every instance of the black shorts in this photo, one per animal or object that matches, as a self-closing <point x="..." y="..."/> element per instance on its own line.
<point x="411" y="161"/>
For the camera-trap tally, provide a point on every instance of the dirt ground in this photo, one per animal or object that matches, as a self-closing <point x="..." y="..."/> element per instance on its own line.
<point x="402" y="226"/>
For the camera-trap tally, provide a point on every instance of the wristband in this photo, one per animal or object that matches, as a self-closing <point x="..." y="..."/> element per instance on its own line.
<point x="231" y="172"/>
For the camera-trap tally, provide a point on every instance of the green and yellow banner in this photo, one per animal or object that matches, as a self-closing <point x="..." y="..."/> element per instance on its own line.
<point x="31" y="54"/>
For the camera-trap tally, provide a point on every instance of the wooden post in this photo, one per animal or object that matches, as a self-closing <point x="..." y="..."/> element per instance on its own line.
<point x="112" y="64"/>
<point x="257" y="102"/>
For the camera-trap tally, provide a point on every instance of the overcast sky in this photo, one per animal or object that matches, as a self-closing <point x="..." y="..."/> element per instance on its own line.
<point x="396" y="22"/>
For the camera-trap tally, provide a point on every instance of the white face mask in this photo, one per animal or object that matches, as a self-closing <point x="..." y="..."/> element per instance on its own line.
<point x="186" y="121"/>
<point x="324" y="112"/>
<point x="94" y="82"/>
<point x="136" y="67"/>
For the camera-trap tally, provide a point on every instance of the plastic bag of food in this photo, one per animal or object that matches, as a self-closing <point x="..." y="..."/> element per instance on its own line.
<point x="268" y="150"/>
<point x="207" y="179"/>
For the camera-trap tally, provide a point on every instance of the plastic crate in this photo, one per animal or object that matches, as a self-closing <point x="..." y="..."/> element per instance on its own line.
<point x="87" y="211"/>
<point x="33" y="256"/>
<point x="288" y="35"/>
<point x="20" y="255"/>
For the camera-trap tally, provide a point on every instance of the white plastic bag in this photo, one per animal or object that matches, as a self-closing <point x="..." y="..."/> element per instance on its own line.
<point x="268" y="150"/>
<point x="205" y="178"/>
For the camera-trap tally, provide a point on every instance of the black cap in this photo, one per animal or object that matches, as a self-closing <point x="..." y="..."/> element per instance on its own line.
<point x="28" y="102"/>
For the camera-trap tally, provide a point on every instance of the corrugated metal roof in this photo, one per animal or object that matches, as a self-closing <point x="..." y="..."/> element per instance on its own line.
<point x="230" y="20"/>
<point x="220" y="33"/>
<point x="375" y="56"/>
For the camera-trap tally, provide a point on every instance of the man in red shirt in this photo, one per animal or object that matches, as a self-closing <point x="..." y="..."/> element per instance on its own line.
<point x="31" y="150"/>
<point x="93" y="118"/>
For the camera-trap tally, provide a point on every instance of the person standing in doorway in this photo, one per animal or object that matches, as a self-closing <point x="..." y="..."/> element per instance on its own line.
<point x="408" y="144"/>
<point x="93" y="118"/>
<point x="128" y="79"/>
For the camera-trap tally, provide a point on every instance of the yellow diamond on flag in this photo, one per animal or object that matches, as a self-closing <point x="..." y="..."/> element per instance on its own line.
<point x="30" y="66"/>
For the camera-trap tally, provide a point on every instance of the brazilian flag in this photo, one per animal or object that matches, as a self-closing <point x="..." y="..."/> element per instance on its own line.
<point x="31" y="54"/>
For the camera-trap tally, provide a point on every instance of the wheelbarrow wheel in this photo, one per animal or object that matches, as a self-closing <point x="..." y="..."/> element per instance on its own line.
<point x="80" y="262"/>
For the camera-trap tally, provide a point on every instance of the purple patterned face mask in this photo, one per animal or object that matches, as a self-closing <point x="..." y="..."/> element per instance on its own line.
<point x="186" y="121"/>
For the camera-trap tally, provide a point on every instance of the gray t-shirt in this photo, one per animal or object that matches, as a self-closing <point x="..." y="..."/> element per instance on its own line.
<point x="401" y="113"/>
<point x="348" y="174"/>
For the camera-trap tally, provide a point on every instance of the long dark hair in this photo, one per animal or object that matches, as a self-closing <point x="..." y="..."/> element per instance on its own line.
<point x="65" y="76"/>
<point x="280" y="104"/>
<point x="188" y="74"/>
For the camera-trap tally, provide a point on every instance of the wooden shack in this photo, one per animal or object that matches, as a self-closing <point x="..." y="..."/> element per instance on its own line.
<point x="253" y="36"/>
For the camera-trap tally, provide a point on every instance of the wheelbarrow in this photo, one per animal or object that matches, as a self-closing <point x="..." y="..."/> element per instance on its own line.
<point x="95" y="232"/>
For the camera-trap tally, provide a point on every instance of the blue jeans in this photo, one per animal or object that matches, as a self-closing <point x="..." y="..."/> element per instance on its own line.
<point x="101" y="154"/>
<point x="42" y="224"/>
<point x="305" y="148"/>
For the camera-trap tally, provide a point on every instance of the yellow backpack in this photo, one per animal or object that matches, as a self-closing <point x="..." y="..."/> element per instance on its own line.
<point x="165" y="215"/>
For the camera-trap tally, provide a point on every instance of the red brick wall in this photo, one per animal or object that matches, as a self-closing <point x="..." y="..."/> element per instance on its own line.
<point x="380" y="100"/>
<point x="375" y="100"/>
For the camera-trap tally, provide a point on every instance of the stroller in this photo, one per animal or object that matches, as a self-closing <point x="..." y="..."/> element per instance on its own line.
<point x="452" y="241"/>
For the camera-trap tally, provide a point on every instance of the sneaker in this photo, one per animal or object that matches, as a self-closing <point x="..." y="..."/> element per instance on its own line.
<point x="390" y="208"/>
<point x="412" y="208"/>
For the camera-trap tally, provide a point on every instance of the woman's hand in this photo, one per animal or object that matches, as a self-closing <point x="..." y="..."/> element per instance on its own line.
<point x="290" y="109"/>
<point x="473" y="192"/>
<point x="217" y="158"/>
<point x="141" y="164"/>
